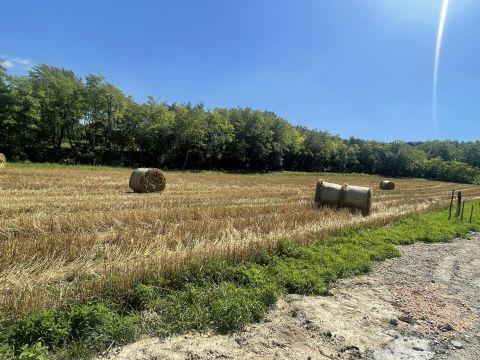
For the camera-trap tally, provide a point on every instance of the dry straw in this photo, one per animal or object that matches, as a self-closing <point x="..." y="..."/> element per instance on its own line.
<point x="3" y="161"/>
<point x="356" y="197"/>
<point x="66" y="234"/>
<point x="387" y="185"/>
<point x="144" y="180"/>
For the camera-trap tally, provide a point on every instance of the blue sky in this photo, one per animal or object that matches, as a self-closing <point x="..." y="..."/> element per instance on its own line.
<point x="352" y="67"/>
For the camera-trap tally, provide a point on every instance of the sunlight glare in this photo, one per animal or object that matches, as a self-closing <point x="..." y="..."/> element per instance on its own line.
<point x="438" y="48"/>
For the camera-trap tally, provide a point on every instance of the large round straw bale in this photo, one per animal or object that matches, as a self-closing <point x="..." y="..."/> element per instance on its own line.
<point x="356" y="197"/>
<point x="3" y="160"/>
<point x="387" y="185"/>
<point x="144" y="180"/>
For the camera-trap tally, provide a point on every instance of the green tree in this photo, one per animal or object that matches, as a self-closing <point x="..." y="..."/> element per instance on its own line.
<point x="92" y="119"/>
<point x="52" y="109"/>
<point x="104" y="110"/>
<point x="190" y="131"/>
<point x="59" y="93"/>
<point x="157" y="128"/>
<point x="472" y="153"/>
<point x="128" y="132"/>
<point x="318" y="150"/>
<point x="6" y="115"/>
<point x="25" y="108"/>
<point x="258" y="134"/>
<point x="220" y="135"/>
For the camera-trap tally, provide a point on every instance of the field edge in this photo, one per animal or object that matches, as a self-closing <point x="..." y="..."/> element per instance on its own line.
<point x="216" y="296"/>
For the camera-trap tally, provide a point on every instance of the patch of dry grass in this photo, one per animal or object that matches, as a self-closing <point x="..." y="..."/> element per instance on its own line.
<point x="70" y="233"/>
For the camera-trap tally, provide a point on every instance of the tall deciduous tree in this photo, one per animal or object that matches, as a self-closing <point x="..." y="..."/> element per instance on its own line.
<point x="190" y="130"/>
<point x="25" y="108"/>
<point x="59" y="93"/>
<point x="220" y="135"/>
<point x="6" y="114"/>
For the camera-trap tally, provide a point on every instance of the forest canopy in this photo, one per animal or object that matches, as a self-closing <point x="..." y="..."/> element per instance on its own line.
<point x="53" y="115"/>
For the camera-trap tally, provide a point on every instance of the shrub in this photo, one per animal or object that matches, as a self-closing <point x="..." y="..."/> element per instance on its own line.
<point x="90" y="318"/>
<point x="38" y="351"/>
<point x="46" y="326"/>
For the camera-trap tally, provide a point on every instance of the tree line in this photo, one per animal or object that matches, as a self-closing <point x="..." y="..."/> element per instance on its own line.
<point x="53" y="115"/>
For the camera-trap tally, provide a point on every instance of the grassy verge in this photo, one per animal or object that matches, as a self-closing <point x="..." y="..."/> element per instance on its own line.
<point x="215" y="295"/>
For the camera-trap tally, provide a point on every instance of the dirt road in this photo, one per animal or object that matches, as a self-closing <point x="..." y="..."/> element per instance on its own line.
<point x="423" y="305"/>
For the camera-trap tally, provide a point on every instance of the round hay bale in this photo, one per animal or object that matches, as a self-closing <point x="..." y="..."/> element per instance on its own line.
<point x="387" y="185"/>
<point x="145" y="180"/>
<point x="356" y="197"/>
<point x="3" y="161"/>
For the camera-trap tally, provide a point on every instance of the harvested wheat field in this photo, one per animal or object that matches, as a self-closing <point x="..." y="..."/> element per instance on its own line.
<point x="69" y="233"/>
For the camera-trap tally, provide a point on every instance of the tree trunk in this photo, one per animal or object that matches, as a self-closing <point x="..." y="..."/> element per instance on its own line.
<point x="186" y="159"/>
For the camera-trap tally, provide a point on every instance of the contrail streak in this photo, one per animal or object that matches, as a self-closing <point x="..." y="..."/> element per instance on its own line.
<point x="441" y="28"/>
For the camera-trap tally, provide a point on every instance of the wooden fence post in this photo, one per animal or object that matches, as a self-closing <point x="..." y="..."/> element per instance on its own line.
<point x="451" y="204"/>
<point x="459" y="204"/>
<point x="471" y="214"/>
<point x="463" y="208"/>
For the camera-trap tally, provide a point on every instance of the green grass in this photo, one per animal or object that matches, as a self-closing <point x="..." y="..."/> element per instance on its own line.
<point x="45" y="165"/>
<point x="216" y="295"/>
<point x="50" y="165"/>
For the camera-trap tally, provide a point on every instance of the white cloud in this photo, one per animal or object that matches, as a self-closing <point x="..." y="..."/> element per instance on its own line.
<point x="22" y="61"/>
<point x="9" y="63"/>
